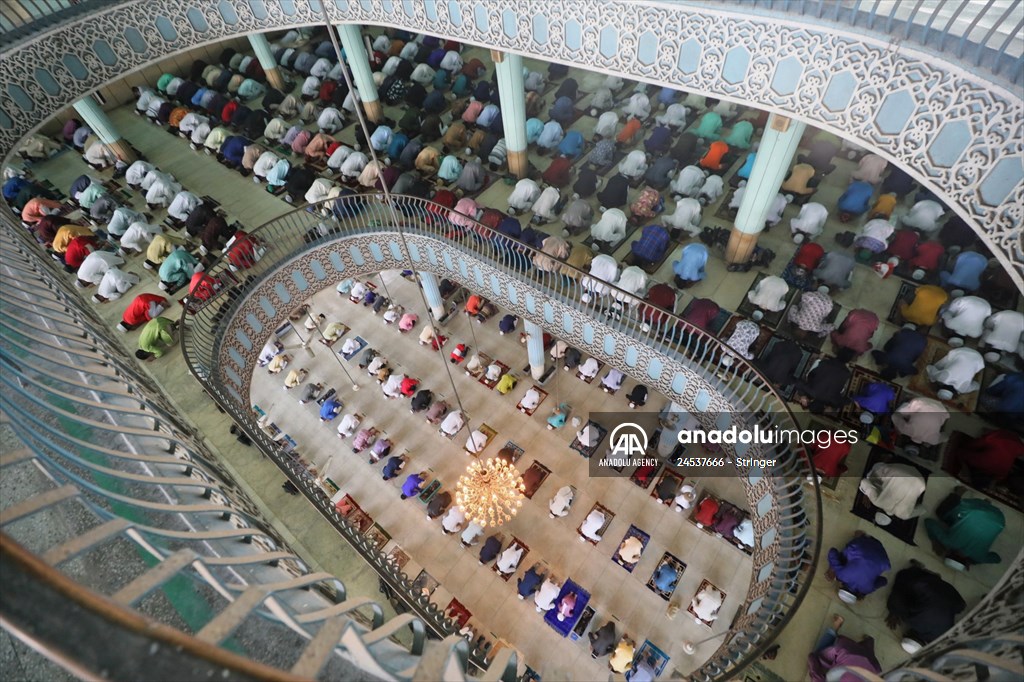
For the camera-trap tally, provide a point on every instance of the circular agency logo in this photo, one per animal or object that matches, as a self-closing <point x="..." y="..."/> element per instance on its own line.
<point x="628" y="440"/>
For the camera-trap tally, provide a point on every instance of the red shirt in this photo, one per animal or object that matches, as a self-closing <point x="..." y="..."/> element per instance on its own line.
<point x="808" y="256"/>
<point x="701" y="312"/>
<point x="228" y="111"/>
<point x="706" y="510"/>
<point x="78" y="249"/>
<point x="242" y="253"/>
<point x="993" y="454"/>
<point x="829" y="461"/>
<point x="137" y="311"/>
<point x="409" y="386"/>
<point x="201" y="287"/>
<point x="903" y="244"/>
<point x="557" y="174"/>
<point x="928" y="255"/>
<point x="631" y="128"/>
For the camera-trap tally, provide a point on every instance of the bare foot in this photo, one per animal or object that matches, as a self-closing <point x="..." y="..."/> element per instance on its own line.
<point x="837" y="621"/>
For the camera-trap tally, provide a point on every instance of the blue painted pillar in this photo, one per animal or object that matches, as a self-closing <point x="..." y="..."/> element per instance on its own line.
<point x="359" y="65"/>
<point x="509" y="69"/>
<point x="433" y="294"/>
<point x="535" y="349"/>
<point x="775" y="154"/>
<point x="261" y="48"/>
<point x="98" y="122"/>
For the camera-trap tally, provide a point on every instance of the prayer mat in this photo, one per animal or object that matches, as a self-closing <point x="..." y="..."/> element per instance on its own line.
<point x="452" y="436"/>
<point x="583" y="623"/>
<point x="543" y="396"/>
<point x="425" y="584"/>
<point x="552" y="617"/>
<point x="485" y="361"/>
<point x="590" y="380"/>
<point x="801" y="367"/>
<point x="588" y="452"/>
<point x="537" y="473"/>
<point x="997" y="491"/>
<point x="491" y="384"/>
<point x="649" y="656"/>
<point x="362" y="344"/>
<point x="862" y="506"/>
<point x="378" y="536"/>
<point x="633" y="532"/>
<point x="397" y="557"/>
<point x="360" y="520"/>
<point x="920" y="383"/>
<point x="676" y="565"/>
<point x="705" y="584"/>
<point x="764" y="334"/>
<point x="489" y="178"/>
<point x="429" y="490"/>
<point x="610" y="249"/>
<point x="516" y="542"/>
<point x="608" y="516"/>
<point x="667" y="473"/>
<point x="490" y="433"/>
<point x="608" y="389"/>
<point x="771" y="318"/>
<point x="724" y="212"/>
<point x="643" y="476"/>
<point x="511" y="452"/>
<point x="458" y="613"/>
<point x="850" y="413"/>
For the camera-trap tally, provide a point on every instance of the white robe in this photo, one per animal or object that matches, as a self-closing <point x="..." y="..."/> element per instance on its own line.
<point x="354" y="164"/>
<point x="632" y="280"/>
<point x="476" y="442"/>
<point x="770" y="294"/>
<point x="453" y="520"/>
<point x="603" y="269"/>
<point x="561" y="502"/>
<point x="545" y="204"/>
<point x="349" y="424"/>
<point x="712" y="188"/>
<point x="638" y="106"/>
<point x="607" y="124"/>
<point x="706" y="604"/>
<point x="1004" y="330"/>
<point x="687" y="216"/>
<point x="96" y="265"/>
<point x="452" y="423"/>
<point x="592" y="524"/>
<point x="338" y="156"/>
<point x="393" y="386"/>
<point x="509" y="559"/>
<point x="139" y="235"/>
<point x="264" y="164"/>
<point x="810" y="220"/>
<point x="611" y="227"/>
<point x="588" y="436"/>
<point x="115" y="283"/>
<point x="634" y="165"/>
<point x="546" y="595"/>
<point x="614" y="380"/>
<point x="674" y="116"/>
<point x="689" y="181"/>
<point x="137" y="172"/>
<point x="924" y="216"/>
<point x="472" y="532"/>
<point x="965" y="316"/>
<point x="589" y="369"/>
<point x="531" y="399"/>
<point x="183" y="204"/>
<point x="779" y="204"/>
<point x="894" y="488"/>
<point x="523" y="195"/>
<point x="330" y="119"/>
<point x="958" y="369"/>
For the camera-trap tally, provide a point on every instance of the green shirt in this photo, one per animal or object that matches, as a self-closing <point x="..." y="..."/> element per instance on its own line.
<point x="970" y="529"/>
<point x="157" y="336"/>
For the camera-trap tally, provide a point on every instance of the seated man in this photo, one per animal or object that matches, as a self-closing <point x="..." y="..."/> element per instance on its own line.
<point x="859" y="566"/>
<point x="966" y="528"/>
<point x="602" y="640"/>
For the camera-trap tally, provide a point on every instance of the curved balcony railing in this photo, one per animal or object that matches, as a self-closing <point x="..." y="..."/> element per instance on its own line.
<point x="982" y="33"/>
<point x="127" y="488"/>
<point x="786" y="517"/>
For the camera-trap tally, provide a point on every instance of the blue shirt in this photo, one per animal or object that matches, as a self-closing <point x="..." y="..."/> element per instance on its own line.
<point x="966" y="271"/>
<point x="652" y="244"/>
<point x="411" y="485"/>
<point x="1009" y="394"/>
<point x="529" y="582"/>
<point x="876" y="397"/>
<point x="859" y="567"/>
<point x="665" y="578"/>
<point x="571" y="145"/>
<point x="508" y="323"/>
<point x="747" y="167"/>
<point x="330" y="408"/>
<point x="233" y="149"/>
<point x="690" y="266"/>
<point x="434" y="103"/>
<point x="856" y="197"/>
<point x="392" y="466"/>
<point x="660" y="139"/>
<point x="667" y="96"/>
<point x="534" y="127"/>
<point x="563" y="110"/>
<point x="398" y="143"/>
<point x="903" y="350"/>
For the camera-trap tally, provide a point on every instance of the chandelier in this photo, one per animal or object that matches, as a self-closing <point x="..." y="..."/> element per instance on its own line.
<point x="490" y="493"/>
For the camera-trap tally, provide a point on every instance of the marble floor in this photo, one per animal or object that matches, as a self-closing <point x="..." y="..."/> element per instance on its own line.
<point x="496" y="612"/>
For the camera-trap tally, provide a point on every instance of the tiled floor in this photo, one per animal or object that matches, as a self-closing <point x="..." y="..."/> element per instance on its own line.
<point x="496" y="611"/>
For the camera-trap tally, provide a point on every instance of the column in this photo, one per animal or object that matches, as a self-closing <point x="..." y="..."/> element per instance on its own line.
<point x="509" y="69"/>
<point x="775" y="154"/>
<point x="432" y="294"/>
<point x="94" y="117"/>
<point x="261" y="48"/>
<point x="359" y="65"/>
<point x="535" y="349"/>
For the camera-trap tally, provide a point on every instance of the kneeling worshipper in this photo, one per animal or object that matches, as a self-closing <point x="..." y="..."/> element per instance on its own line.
<point x="836" y="270"/>
<point x="476" y="442"/>
<point x="966" y="528"/>
<point x="859" y="566"/>
<point x="810" y="312"/>
<point x="561" y="503"/>
<point x="706" y="604"/>
<point x="349" y="424"/>
<point x="613" y="381"/>
<point x="438" y="504"/>
<point x="546" y="595"/>
<point x="990" y="458"/>
<point x="393" y="467"/>
<point x="530" y="582"/>
<point x="611" y="228"/>
<point x="567" y="606"/>
<point x="509" y="559"/>
<point x="156" y="337"/>
<point x="894" y="489"/>
<point x="836" y="651"/>
<point x="665" y="578"/>
<point x="923" y="308"/>
<point x="743" y="336"/>
<point x="924" y="604"/>
<point x="956" y="371"/>
<point x="621" y="660"/>
<point x="631" y="549"/>
<point x="853" y="338"/>
<point x="825" y="384"/>
<point x="689" y="269"/>
<point x="114" y="284"/>
<point x="531" y="400"/>
<point x="392" y="388"/>
<point x="591" y="525"/>
<point x="590" y="368"/>
<point x="809" y="223"/>
<point x="965" y="316"/>
<point x="898" y="358"/>
<point x="921" y="420"/>
<point x="770" y="294"/>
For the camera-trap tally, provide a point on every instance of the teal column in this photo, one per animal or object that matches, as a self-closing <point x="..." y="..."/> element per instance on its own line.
<point x="535" y="349"/>
<point x="775" y="153"/>
<point x="98" y="122"/>
<point x="261" y="48"/>
<point x="433" y="294"/>
<point x="509" y="69"/>
<point x="359" y="64"/>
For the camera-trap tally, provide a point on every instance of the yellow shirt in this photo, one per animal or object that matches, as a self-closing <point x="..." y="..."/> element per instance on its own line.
<point x="159" y="249"/>
<point x="66" y="234"/>
<point x="622" y="659"/>
<point x="924" y="309"/>
<point x="884" y="206"/>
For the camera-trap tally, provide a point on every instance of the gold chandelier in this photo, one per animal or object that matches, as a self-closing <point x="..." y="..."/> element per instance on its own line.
<point x="490" y="493"/>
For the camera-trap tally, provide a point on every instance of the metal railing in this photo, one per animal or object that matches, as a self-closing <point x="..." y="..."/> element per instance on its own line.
<point x="981" y="33"/>
<point x="148" y="508"/>
<point x="22" y="18"/>
<point x="787" y="532"/>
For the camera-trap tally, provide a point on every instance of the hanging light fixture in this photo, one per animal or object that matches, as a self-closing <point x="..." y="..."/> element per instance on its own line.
<point x="491" y="492"/>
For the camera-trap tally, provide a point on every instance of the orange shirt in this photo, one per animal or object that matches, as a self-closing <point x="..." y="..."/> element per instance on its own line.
<point x="884" y="206"/>
<point x="713" y="159"/>
<point x="629" y="131"/>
